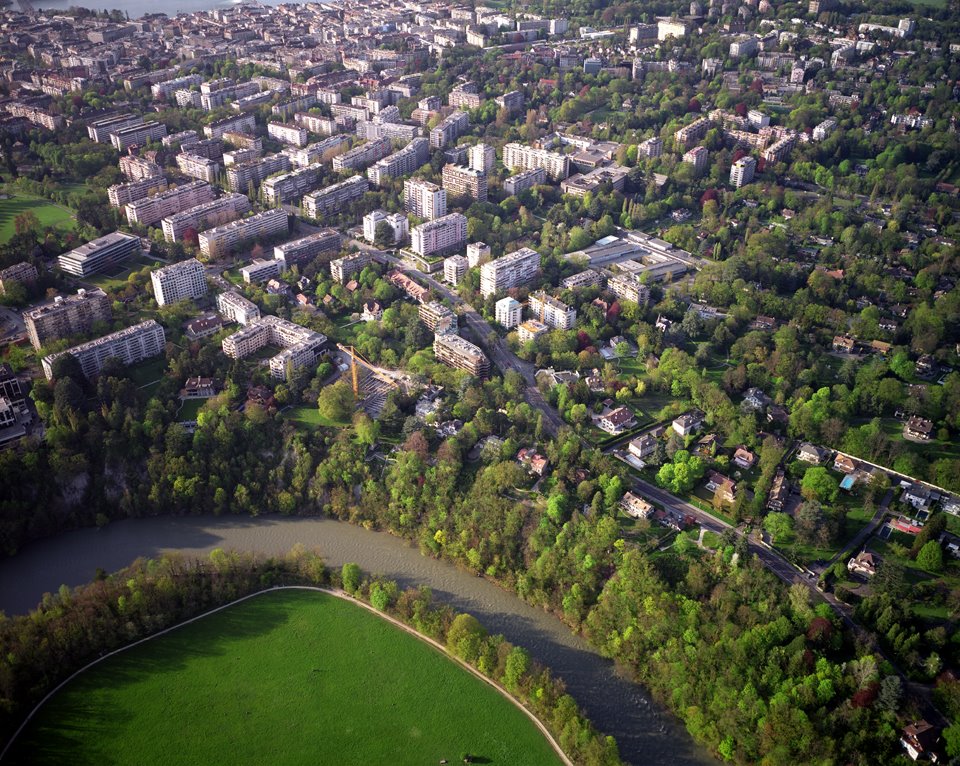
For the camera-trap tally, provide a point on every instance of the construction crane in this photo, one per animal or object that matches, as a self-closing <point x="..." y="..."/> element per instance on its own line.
<point x="353" y="372"/>
<point x="354" y="355"/>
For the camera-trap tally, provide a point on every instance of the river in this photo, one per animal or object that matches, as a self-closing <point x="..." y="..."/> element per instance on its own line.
<point x="647" y="735"/>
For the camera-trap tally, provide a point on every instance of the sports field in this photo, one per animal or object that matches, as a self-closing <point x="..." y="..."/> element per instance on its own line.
<point x="46" y="212"/>
<point x="292" y="677"/>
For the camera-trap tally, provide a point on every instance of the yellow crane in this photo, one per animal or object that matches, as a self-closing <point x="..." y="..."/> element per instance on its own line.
<point x="354" y="374"/>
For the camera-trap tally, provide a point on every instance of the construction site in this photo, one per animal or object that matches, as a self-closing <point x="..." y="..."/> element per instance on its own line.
<point x="371" y="384"/>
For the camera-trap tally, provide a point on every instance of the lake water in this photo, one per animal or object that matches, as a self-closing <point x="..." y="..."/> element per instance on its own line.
<point x="647" y="735"/>
<point x="137" y="8"/>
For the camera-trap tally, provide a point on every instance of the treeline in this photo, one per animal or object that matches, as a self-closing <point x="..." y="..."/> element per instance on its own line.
<point x="73" y="627"/>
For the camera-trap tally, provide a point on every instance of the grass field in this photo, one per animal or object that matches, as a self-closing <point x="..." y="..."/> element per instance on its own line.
<point x="117" y="279"/>
<point x="46" y="212"/>
<point x="310" y="417"/>
<point x="286" y="678"/>
<point x="190" y="409"/>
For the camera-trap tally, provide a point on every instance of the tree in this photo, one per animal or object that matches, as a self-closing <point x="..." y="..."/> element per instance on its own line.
<point x="351" y="576"/>
<point x="931" y="557"/>
<point x="336" y="402"/>
<point x="465" y="637"/>
<point x="518" y="662"/>
<point x="818" y="484"/>
<point x="779" y="525"/>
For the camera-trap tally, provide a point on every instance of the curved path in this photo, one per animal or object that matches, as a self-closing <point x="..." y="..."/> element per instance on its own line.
<point x="332" y="592"/>
<point x="645" y="733"/>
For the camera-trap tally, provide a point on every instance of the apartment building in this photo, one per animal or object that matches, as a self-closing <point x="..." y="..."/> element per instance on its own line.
<point x="333" y="198"/>
<point x="396" y="131"/>
<point x="741" y="172"/>
<point x="628" y="287"/>
<point x="477" y="252"/>
<point x="150" y="210"/>
<point x="68" y="316"/>
<point x="699" y="157"/>
<point x="552" y="312"/>
<point x="288" y="134"/>
<point x="779" y="151"/>
<point x="449" y="130"/>
<point x="100" y="254"/>
<point x="397" y="222"/>
<point x="301" y="251"/>
<point x="242" y="176"/>
<point x="465" y="182"/>
<point x="198" y="166"/>
<point x="482" y="157"/>
<point x="167" y="88"/>
<point x="438" y="318"/>
<point x="22" y="273"/>
<point x="361" y="156"/>
<point x="520" y="157"/>
<point x="100" y="130"/>
<point x="290" y="186"/>
<point x="300" y="344"/>
<point x="233" y="307"/>
<point x="455" y="269"/>
<point x="651" y="148"/>
<point x="253" y="101"/>
<point x="424" y="199"/>
<point x="243" y="141"/>
<point x="179" y="281"/>
<point x="824" y="129"/>
<point x="508" y="312"/>
<point x="122" y="194"/>
<point x="137" y="135"/>
<point x="440" y="236"/>
<point x="138" y="168"/>
<point x="216" y="242"/>
<point x="588" y="278"/>
<point x="512" y="270"/>
<point x="512" y="101"/>
<point x="217" y="212"/>
<point x="35" y="115"/>
<point x="284" y="109"/>
<point x="465" y="96"/>
<point x="261" y="270"/>
<point x="311" y="154"/>
<point x="130" y="345"/>
<point x="454" y="351"/>
<point x="242" y="123"/>
<point x="315" y="123"/>
<point x="525" y="179"/>
<point x="342" y="269"/>
<point x="400" y="163"/>
<point x="690" y="134"/>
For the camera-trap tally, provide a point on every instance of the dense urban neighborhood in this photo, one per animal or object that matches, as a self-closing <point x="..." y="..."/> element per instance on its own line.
<point x="647" y="311"/>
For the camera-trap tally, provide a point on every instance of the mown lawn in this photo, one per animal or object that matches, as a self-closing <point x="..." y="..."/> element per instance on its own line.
<point x="285" y="678"/>
<point x="46" y="212"/>
<point x="310" y="417"/>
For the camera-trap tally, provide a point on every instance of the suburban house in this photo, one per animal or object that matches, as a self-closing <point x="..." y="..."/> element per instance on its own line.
<point x="559" y="377"/>
<point x="907" y="525"/>
<point x="372" y="312"/>
<point x="707" y="446"/>
<point x="951" y="542"/>
<point x="636" y="506"/>
<point x="643" y="446"/>
<point x="721" y="486"/>
<point x="844" y="464"/>
<point x="844" y="344"/>
<point x="918" y="428"/>
<point x="688" y="424"/>
<point x="779" y="492"/>
<point x="198" y="388"/>
<point x="921" y="741"/>
<point x="865" y="563"/>
<point x="811" y="453"/>
<point x="744" y="458"/>
<point x="533" y="461"/>
<point x="918" y="496"/>
<point x="951" y="504"/>
<point x="754" y="399"/>
<point x="617" y="420"/>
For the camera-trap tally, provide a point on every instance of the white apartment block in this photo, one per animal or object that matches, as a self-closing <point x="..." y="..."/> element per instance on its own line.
<point x="363" y="155"/>
<point x="150" y="210"/>
<point x="233" y="307"/>
<point x="476" y="252"/>
<point x="104" y="252"/>
<point x="520" y="157"/>
<point x="552" y="312"/>
<point x="121" y="194"/>
<point x="241" y="177"/>
<point x="699" y="157"/>
<point x="628" y="287"/>
<point x="651" y="148"/>
<point x="303" y="250"/>
<point x="100" y="130"/>
<point x="671" y="28"/>
<point x="261" y="270"/>
<point x="531" y="330"/>
<point x="300" y="344"/>
<point x="509" y="312"/>
<point x="290" y="186"/>
<point x="741" y="172"/>
<point x="424" y="199"/>
<point x="525" y="179"/>
<point x="512" y="270"/>
<point x="451" y="128"/>
<point x="583" y="279"/>
<point x="137" y="135"/>
<point x="342" y="269"/>
<point x="397" y="222"/>
<point x="288" y="134"/>
<point x="215" y="242"/>
<point x="439" y="236"/>
<point x="333" y="198"/>
<point x="242" y="123"/>
<point x="198" y="166"/>
<point x="311" y="154"/>
<point x="465" y="182"/>
<point x="400" y="163"/>
<point x="824" y="129"/>
<point x="169" y="87"/>
<point x="137" y="168"/>
<point x="454" y="269"/>
<point x="130" y="345"/>
<point x="482" y="157"/>
<point x="179" y="281"/>
<point x="217" y="212"/>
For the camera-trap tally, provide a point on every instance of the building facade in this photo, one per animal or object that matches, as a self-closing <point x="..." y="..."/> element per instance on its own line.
<point x="217" y="241"/>
<point x="424" y="199"/>
<point x="130" y="345"/>
<point x="179" y="281"/>
<point x="72" y="315"/>
<point x="511" y="270"/>
<point x="102" y="253"/>
<point x="509" y="312"/>
<point x="442" y="235"/>
<point x="454" y="351"/>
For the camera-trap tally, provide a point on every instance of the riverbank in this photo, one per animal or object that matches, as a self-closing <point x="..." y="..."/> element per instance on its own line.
<point x="645" y="733"/>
